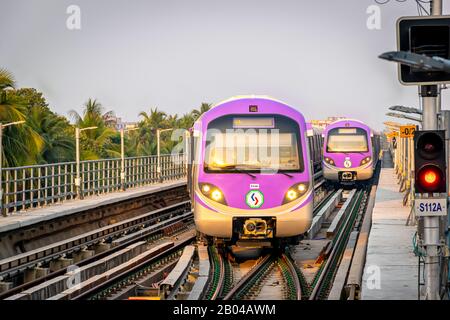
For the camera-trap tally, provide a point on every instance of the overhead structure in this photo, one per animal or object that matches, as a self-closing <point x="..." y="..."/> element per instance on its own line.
<point x="406" y="109"/>
<point x="403" y="116"/>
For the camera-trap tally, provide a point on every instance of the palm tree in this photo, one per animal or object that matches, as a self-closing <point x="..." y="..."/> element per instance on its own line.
<point x="6" y="79"/>
<point x="21" y="144"/>
<point x="186" y="121"/>
<point x="155" y="120"/>
<point x="203" y="108"/>
<point x="145" y="141"/>
<point x="141" y="142"/>
<point x="92" y="113"/>
<point x="95" y="143"/>
<point x="56" y="134"/>
<point x="10" y="107"/>
<point x="172" y="121"/>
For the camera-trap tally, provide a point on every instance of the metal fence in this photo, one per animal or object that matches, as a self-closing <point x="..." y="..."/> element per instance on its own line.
<point x="40" y="185"/>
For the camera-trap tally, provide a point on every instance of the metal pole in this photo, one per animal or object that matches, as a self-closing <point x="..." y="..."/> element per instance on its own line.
<point x="185" y="150"/>
<point x="431" y="239"/>
<point x="78" y="175"/>
<point x="158" y="152"/>
<point x="413" y="173"/>
<point x="430" y="102"/>
<point x="429" y="96"/>
<point x="122" y="159"/>
<point x="405" y="160"/>
<point x="436" y="7"/>
<point x="439" y="107"/>
<point x="446" y="127"/>
<point x="1" y="170"/>
<point x="409" y="176"/>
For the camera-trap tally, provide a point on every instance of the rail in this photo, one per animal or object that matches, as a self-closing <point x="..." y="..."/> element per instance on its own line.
<point x="324" y="278"/>
<point x="249" y="279"/>
<point x="141" y="225"/>
<point x="41" y="185"/>
<point x="165" y="228"/>
<point x="171" y="284"/>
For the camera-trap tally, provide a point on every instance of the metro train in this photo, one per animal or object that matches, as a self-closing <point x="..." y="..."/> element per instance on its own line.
<point x="351" y="151"/>
<point x="315" y="141"/>
<point x="251" y="169"/>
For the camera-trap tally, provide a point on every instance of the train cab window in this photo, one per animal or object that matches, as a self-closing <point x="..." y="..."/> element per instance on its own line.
<point x="255" y="149"/>
<point x="347" y="140"/>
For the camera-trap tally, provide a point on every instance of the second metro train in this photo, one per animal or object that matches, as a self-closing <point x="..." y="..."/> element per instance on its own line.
<point x="351" y="151"/>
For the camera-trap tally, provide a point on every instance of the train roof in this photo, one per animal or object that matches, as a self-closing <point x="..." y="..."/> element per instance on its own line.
<point x="223" y="107"/>
<point x="248" y="96"/>
<point x="352" y="122"/>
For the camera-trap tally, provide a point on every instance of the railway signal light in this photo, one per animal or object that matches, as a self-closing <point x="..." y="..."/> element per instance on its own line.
<point x="429" y="161"/>
<point x="428" y="36"/>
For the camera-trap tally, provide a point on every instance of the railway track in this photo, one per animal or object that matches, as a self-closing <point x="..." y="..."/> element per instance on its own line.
<point x="275" y="266"/>
<point x="278" y="269"/>
<point x="149" y="227"/>
<point x="323" y="280"/>
<point x="109" y="277"/>
<point x="125" y="282"/>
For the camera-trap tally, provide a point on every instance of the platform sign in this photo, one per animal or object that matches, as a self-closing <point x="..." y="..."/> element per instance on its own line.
<point x="392" y="134"/>
<point x="407" y="131"/>
<point x="430" y="207"/>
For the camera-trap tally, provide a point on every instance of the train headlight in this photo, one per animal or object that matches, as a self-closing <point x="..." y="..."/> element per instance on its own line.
<point x="329" y="161"/>
<point x="295" y="192"/>
<point x="212" y="192"/>
<point x="216" y="195"/>
<point x="365" y="160"/>
<point x="291" y="195"/>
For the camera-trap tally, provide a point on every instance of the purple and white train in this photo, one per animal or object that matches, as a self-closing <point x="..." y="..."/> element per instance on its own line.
<point x="350" y="151"/>
<point x="251" y="177"/>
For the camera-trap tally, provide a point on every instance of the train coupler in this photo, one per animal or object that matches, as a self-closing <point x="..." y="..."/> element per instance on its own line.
<point x="254" y="228"/>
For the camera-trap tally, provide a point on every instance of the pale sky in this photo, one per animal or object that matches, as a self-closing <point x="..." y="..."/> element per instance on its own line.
<point x="318" y="56"/>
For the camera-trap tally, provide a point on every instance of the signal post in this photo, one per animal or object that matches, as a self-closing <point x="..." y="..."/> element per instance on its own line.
<point x="424" y="60"/>
<point x="431" y="203"/>
<point x="431" y="178"/>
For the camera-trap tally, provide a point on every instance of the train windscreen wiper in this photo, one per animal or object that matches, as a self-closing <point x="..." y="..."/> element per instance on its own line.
<point x="234" y="167"/>
<point x="285" y="173"/>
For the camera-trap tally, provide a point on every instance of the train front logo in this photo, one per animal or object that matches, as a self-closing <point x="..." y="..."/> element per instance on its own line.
<point x="347" y="163"/>
<point x="254" y="199"/>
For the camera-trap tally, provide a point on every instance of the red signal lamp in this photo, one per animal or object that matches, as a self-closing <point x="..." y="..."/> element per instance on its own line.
<point x="430" y="178"/>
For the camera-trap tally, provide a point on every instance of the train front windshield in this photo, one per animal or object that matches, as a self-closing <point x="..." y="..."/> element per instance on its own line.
<point x="253" y="144"/>
<point x="347" y="140"/>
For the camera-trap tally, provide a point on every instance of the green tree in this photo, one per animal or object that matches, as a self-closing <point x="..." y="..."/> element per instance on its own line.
<point x="144" y="141"/>
<point x="196" y="113"/>
<point x="21" y="144"/>
<point x="32" y="98"/>
<point x="57" y="133"/>
<point x="97" y="143"/>
<point x="155" y="119"/>
<point x="186" y="121"/>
